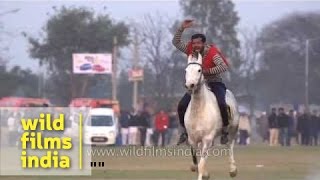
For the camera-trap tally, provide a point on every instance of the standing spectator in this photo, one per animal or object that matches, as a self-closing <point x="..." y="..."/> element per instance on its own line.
<point x="12" y="128"/>
<point x="133" y="128"/>
<point x="263" y="127"/>
<point x="292" y="122"/>
<point x="173" y="127"/>
<point x="244" y="128"/>
<point x="303" y="128"/>
<point x="283" y="120"/>
<point x="314" y="127"/>
<point x="273" y="128"/>
<point x="297" y="128"/>
<point x="143" y="123"/>
<point x="4" y="117"/>
<point x="150" y="129"/>
<point x="124" y="126"/>
<point x="318" y="128"/>
<point x="149" y="114"/>
<point x="161" y="126"/>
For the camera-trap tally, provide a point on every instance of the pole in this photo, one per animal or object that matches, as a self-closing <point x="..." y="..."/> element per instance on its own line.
<point x="72" y="92"/>
<point x="39" y="84"/>
<point x="307" y="77"/>
<point x="114" y="67"/>
<point x="135" y="66"/>
<point x="44" y="83"/>
<point x="135" y="94"/>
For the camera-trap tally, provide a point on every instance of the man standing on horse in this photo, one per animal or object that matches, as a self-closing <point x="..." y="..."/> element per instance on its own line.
<point x="213" y="65"/>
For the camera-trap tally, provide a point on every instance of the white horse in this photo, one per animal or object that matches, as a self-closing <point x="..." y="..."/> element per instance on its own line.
<point x="203" y="120"/>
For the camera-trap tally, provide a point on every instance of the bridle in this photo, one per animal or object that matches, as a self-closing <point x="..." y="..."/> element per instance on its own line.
<point x="199" y="83"/>
<point x="195" y="63"/>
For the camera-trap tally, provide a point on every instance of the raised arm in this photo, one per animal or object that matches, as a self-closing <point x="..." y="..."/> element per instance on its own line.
<point x="176" y="41"/>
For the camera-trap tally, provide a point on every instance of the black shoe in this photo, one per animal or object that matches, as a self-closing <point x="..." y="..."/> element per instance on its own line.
<point x="224" y="137"/>
<point x="183" y="138"/>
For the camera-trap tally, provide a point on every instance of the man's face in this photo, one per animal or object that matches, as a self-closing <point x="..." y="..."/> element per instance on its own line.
<point x="291" y="113"/>
<point x="197" y="44"/>
<point x="281" y="111"/>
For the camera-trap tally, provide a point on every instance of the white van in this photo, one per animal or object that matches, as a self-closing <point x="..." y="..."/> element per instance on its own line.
<point x="101" y="127"/>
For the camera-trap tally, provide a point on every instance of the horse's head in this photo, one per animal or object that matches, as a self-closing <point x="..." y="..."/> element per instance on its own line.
<point x="194" y="76"/>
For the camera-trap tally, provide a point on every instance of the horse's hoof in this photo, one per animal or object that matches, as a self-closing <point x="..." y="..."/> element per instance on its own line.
<point x="206" y="176"/>
<point x="233" y="173"/>
<point x="194" y="168"/>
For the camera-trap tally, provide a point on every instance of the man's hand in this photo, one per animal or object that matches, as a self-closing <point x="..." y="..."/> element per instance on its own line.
<point x="187" y="23"/>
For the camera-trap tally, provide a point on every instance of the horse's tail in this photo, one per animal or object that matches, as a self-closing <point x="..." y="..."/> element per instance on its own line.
<point x="232" y="103"/>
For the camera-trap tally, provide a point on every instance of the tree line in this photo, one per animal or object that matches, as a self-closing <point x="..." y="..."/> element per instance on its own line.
<point x="267" y="65"/>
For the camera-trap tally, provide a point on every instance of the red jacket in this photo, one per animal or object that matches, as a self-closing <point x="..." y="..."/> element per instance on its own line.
<point x="208" y="58"/>
<point x="162" y="121"/>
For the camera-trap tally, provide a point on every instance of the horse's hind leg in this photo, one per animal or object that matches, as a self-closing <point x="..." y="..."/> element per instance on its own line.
<point x="233" y="168"/>
<point x="194" y="166"/>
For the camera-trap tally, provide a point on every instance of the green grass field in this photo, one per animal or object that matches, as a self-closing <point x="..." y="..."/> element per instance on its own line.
<point x="295" y="163"/>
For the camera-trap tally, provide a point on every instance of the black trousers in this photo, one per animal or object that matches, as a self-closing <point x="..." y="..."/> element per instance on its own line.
<point x="143" y="134"/>
<point x="219" y="89"/>
<point x="314" y="139"/>
<point x="157" y="135"/>
<point x="305" y="138"/>
<point x="243" y="137"/>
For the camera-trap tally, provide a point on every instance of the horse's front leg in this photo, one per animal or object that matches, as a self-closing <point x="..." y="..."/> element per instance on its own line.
<point x="233" y="168"/>
<point x="203" y="173"/>
<point x="194" y="166"/>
